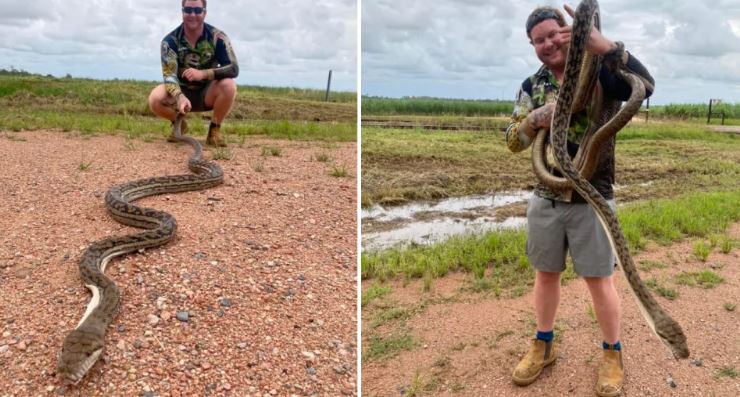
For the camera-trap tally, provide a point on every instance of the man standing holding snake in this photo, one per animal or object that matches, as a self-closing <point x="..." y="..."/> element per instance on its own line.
<point x="559" y="222"/>
<point x="199" y="67"/>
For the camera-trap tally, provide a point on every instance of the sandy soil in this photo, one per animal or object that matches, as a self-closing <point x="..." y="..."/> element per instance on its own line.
<point x="468" y="343"/>
<point x="264" y="265"/>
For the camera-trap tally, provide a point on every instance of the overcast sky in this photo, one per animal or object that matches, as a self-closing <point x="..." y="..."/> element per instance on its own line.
<point x="277" y="43"/>
<point x="479" y="49"/>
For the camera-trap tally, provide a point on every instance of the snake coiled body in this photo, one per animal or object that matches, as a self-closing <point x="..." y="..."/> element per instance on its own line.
<point x="667" y="329"/>
<point x="84" y="345"/>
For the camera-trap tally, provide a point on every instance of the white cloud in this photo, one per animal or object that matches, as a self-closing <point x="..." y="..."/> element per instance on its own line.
<point x="479" y="49"/>
<point x="292" y="42"/>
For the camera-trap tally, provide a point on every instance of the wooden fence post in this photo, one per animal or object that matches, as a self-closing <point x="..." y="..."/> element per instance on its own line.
<point x="328" y="87"/>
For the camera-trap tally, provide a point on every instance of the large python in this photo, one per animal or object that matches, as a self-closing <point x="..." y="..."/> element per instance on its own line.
<point x="586" y="16"/>
<point x="84" y="345"/>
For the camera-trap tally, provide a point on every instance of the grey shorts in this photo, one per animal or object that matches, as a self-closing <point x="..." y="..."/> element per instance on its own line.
<point x="555" y="228"/>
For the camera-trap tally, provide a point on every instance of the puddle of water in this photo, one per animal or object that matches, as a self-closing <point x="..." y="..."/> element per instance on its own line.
<point x="457" y="216"/>
<point x="435" y="231"/>
<point x="456" y="204"/>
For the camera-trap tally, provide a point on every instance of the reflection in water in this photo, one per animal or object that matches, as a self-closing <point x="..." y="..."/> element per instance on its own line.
<point x="455" y="216"/>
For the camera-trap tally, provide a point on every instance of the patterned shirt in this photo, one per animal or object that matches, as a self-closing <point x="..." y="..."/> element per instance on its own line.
<point x="212" y="53"/>
<point x="541" y="89"/>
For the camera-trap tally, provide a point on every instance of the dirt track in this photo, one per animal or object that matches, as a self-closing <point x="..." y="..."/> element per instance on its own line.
<point x="467" y="343"/>
<point x="264" y="264"/>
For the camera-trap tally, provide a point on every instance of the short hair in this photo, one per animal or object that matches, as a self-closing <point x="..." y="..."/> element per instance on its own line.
<point x="542" y="14"/>
<point x="204" y="3"/>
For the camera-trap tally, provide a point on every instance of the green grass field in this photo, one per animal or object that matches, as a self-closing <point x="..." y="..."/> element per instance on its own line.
<point x="653" y="160"/>
<point x="379" y="106"/>
<point x="29" y="102"/>
<point x="499" y="256"/>
<point x="434" y="106"/>
<point x="676" y="179"/>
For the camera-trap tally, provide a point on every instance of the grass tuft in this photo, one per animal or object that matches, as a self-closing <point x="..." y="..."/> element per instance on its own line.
<point x="271" y="151"/>
<point x="381" y="348"/>
<point x="84" y="166"/>
<point x="705" y="279"/>
<point x="375" y="291"/>
<point x="338" y="171"/>
<point x="701" y="250"/>
<point x="222" y="153"/>
<point x="726" y="371"/>
<point x="258" y="166"/>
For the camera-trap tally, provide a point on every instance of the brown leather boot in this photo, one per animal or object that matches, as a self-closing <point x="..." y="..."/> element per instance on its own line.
<point x="540" y="355"/>
<point x="611" y="374"/>
<point x="214" y="136"/>
<point x="183" y="131"/>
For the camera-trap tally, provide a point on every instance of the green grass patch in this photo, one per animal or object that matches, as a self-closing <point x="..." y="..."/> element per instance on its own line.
<point x="32" y="102"/>
<point x="84" y="165"/>
<point x="375" y="291"/>
<point x="672" y="131"/>
<point x="271" y="151"/>
<point x="385" y="347"/>
<point x="648" y="265"/>
<point x="435" y="106"/>
<point x="501" y="254"/>
<point x="726" y="245"/>
<point x="730" y="307"/>
<point x="668" y="293"/>
<point x="726" y="372"/>
<point x="701" y="250"/>
<point x="389" y="314"/>
<point x="668" y="220"/>
<point x="653" y="161"/>
<point x="222" y="153"/>
<point x="704" y="279"/>
<point x="322" y="157"/>
<point x="258" y="166"/>
<point x="137" y="126"/>
<point x="338" y="171"/>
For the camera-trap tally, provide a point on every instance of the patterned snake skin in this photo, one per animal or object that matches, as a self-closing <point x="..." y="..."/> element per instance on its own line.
<point x="83" y="346"/>
<point x="667" y="329"/>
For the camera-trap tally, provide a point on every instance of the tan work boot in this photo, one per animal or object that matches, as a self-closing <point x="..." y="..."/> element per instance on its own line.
<point x="540" y="355"/>
<point x="183" y="131"/>
<point x="611" y="374"/>
<point x="214" y="136"/>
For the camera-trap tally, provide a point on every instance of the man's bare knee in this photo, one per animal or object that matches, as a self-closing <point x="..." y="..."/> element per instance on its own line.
<point x="228" y="87"/>
<point x="157" y="97"/>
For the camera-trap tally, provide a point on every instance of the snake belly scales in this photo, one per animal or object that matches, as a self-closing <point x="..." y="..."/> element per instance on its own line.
<point x="575" y="176"/>
<point x="84" y="345"/>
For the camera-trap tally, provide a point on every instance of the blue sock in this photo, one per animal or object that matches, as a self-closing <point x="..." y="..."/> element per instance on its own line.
<point x="617" y="346"/>
<point x="545" y="336"/>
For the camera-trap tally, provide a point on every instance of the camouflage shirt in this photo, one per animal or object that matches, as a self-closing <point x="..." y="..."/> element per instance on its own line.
<point x="542" y="88"/>
<point x="212" y="53"/>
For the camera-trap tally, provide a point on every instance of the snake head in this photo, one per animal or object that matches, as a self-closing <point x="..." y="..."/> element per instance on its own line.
<point x="81" y="350"/>
<point x="679" y="349"/>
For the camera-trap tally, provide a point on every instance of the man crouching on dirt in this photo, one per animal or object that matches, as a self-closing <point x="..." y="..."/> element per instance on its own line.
<point x="560" y="222"/>
<point x="199" y="67"/>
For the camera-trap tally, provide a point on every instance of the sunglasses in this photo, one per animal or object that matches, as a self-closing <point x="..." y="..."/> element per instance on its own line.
<point x="193" y="10"/>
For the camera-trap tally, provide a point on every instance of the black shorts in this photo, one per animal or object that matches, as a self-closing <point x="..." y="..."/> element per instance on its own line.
<point x="197" y="97"/>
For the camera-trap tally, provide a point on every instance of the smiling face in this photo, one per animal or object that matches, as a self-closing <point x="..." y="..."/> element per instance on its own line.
<point x="192" y="20"/>
<point x="543" y="38"/>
